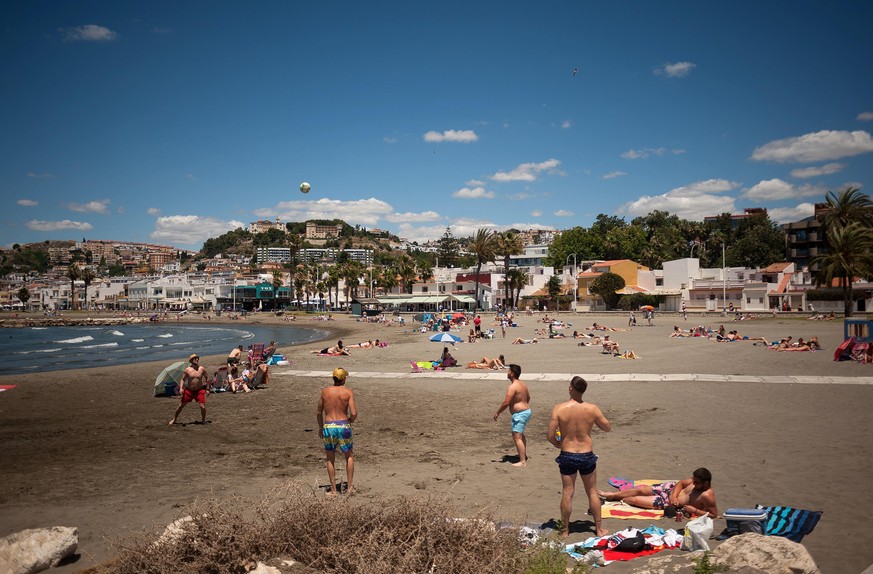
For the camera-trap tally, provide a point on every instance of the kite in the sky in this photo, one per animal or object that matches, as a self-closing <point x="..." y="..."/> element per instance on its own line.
<point x="575" y="71"/>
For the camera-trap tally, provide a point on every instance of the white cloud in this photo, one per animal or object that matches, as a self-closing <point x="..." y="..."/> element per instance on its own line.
<point x="90" y="207"/>
<point x="462" y="136"/>
<point x="88" y="33"/>
<point x="410" y="217"/>
<point x="566" y="124"/>
<point x="27" y="202"/>
<point x="475" y="183"/>
<point x="64" y="225"/>
<point x="367" y="212"/>
<point x="473" y="193"/>
<point x="826" y="169"/>
<point x="389" y="139"/>
<point x="790" y="214"/>
<point x="521" y="196"/>
<point x="819" y="146"/>
<point x="527" y="171"/>
<point x="693" y="202"/>
<point x="40" y="175"/>
<point x="190" y="230"/>
<point x="646" y="152"/>
<point x="675" y="70"/>
<point x="563" y="213"/>
<point x="153" y="211"/>
<point x="865" y="116"/>
<point x="613" y="174"/>
<point x="776" y="189"/>
<point x="536" y="213"/>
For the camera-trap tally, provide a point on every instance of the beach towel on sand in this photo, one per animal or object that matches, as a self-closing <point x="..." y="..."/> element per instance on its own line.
<point x="792" y="523"/>
<point x="616" y="509"/>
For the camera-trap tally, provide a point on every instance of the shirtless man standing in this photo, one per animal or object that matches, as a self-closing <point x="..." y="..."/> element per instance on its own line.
<point x="693" y="496"/>
<point x="570" y="430"/>
<point x="336" y="413"/>
<point x="517" y="400"/>
<point x="194" y="379"/>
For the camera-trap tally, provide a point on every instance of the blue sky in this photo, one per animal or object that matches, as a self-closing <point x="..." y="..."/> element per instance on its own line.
<point x="173" y="122"/>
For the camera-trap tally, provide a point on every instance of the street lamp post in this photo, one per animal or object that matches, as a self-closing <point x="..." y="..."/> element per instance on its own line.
<point x="723" y="281"/>
<point x="575" y="282"/>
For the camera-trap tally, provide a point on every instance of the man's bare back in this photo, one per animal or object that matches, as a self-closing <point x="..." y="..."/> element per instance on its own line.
<point x="337" y="404"/>
<point x="575" y="419"/>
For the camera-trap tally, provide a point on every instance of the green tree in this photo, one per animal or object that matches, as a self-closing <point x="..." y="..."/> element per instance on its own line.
<point x="518" y="280"/>
<point x="507" y="245"/>
<point x="577" y="240"/>
<point x="757" y="242"/>
<point x="24" y="295"/>
<point x="606" y="286"/>
<point x="277" y="282"/>
<point x="483" y="248"/>
<point x="849" y="256"/>
<point x="553" y="286"/>
<point x="447" y="248"/>
<point x="846" y="207"/>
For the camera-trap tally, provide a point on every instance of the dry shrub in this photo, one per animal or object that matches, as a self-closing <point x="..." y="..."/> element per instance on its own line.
<point x="332" y="535"/>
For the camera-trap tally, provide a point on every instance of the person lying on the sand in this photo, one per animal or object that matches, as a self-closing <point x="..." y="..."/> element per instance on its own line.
<point x="677" y="332"/>
<point x="520" y="341"/>
<point x="488" y="363"/>
<point x="364" y="345"/>
<point x="335" y="351"/>
<point x="692" y="496"/>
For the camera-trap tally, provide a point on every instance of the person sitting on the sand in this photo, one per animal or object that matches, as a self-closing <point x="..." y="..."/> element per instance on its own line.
<point x="335" y="351"/>
<point x="471" y="337"/>
<point x="520" y="341"/>
<point x="610" y="346"/>
<point x="488" y="363"/>
<point x="447" y="360"/>
<point x="237" y="381"/>
<point x="813" y="344"/>
<point x="692" y="496"/>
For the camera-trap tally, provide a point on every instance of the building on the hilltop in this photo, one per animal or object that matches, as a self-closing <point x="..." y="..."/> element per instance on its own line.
<point x="330" y="255"/>
<point x="315" y="231"/>
<point x="273" y="254"/>
<point x="265" y="225"/>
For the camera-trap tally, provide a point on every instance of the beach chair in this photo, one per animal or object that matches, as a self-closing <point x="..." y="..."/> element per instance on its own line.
<point x="257" y="354"/>
<point x="259" y="380"/>
<point x="219" y="383"/>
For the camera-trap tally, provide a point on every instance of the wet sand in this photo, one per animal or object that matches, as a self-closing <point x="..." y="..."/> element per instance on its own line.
<point x="91" y="448"/>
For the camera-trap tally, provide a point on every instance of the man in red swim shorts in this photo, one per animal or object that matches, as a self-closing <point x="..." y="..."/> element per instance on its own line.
<point x="193" y="388"/>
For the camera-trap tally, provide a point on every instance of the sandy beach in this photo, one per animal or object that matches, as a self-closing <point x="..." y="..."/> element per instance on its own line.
<point x="91" y="448"/>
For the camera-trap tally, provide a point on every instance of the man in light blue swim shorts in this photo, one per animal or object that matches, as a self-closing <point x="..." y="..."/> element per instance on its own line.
<point x="517" y="400"/>
<point x="335" y="413"/>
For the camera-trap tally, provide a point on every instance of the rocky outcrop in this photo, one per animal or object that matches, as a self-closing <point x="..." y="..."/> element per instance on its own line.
<point x="31" y="551"/>
<point x="743" y="554"/>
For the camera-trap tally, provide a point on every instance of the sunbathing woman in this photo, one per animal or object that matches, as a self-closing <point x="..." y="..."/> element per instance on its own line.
<point x="335" y="351"/>
<point x="520" y="341"/>
<point x="487" y="363"/>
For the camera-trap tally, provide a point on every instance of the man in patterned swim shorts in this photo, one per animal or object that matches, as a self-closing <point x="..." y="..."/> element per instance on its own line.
<point x="691" y="496"/>
<point x="336" y="413"/>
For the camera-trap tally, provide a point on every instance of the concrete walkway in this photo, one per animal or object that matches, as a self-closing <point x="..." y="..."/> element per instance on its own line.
<point x="479" y="375"/>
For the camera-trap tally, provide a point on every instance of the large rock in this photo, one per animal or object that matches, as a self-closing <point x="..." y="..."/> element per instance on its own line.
<point x="771" y="553"/>
<point x="35" y="550"/>
<point x="743" y="554"/>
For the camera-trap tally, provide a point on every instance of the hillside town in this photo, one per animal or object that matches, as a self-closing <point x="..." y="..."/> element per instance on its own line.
<point x="318" y="272"/>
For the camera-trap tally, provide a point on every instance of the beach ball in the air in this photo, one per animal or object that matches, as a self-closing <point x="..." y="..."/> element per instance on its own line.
<point x="305" y="187"/>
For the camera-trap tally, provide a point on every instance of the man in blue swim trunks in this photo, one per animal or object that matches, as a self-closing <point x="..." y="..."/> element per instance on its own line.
<point x="570" y="430"/>
<point x="517" y="400"/>
<point x="336" y="413"/>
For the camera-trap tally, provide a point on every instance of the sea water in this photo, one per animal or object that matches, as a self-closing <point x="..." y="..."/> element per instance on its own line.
<point x="37" y="349"/>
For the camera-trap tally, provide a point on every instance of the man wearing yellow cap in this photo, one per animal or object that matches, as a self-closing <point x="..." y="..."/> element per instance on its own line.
<point x="336" y="412"/>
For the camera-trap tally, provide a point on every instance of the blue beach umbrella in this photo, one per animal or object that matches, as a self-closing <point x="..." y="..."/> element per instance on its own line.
<point x="169" y="377"/>
<point x="445" y="338"/>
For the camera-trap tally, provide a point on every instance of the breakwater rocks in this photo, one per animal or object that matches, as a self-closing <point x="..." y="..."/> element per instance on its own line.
<point x="69" y="321"/>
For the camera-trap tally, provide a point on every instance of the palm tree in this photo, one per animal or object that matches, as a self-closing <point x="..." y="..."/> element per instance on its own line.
<point x="332" y="282"/>
<point x="277" y="282"/>
<point x="406" y="269"/>
<point x="483" y="248"/>
<point x="73" y="274"/>
<point x="849" y="256"/>
<point x="518" y="280"/>
<point x="845" y="207"/>
<point x="87" y="275"/>
<point x="508" y="244"/>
